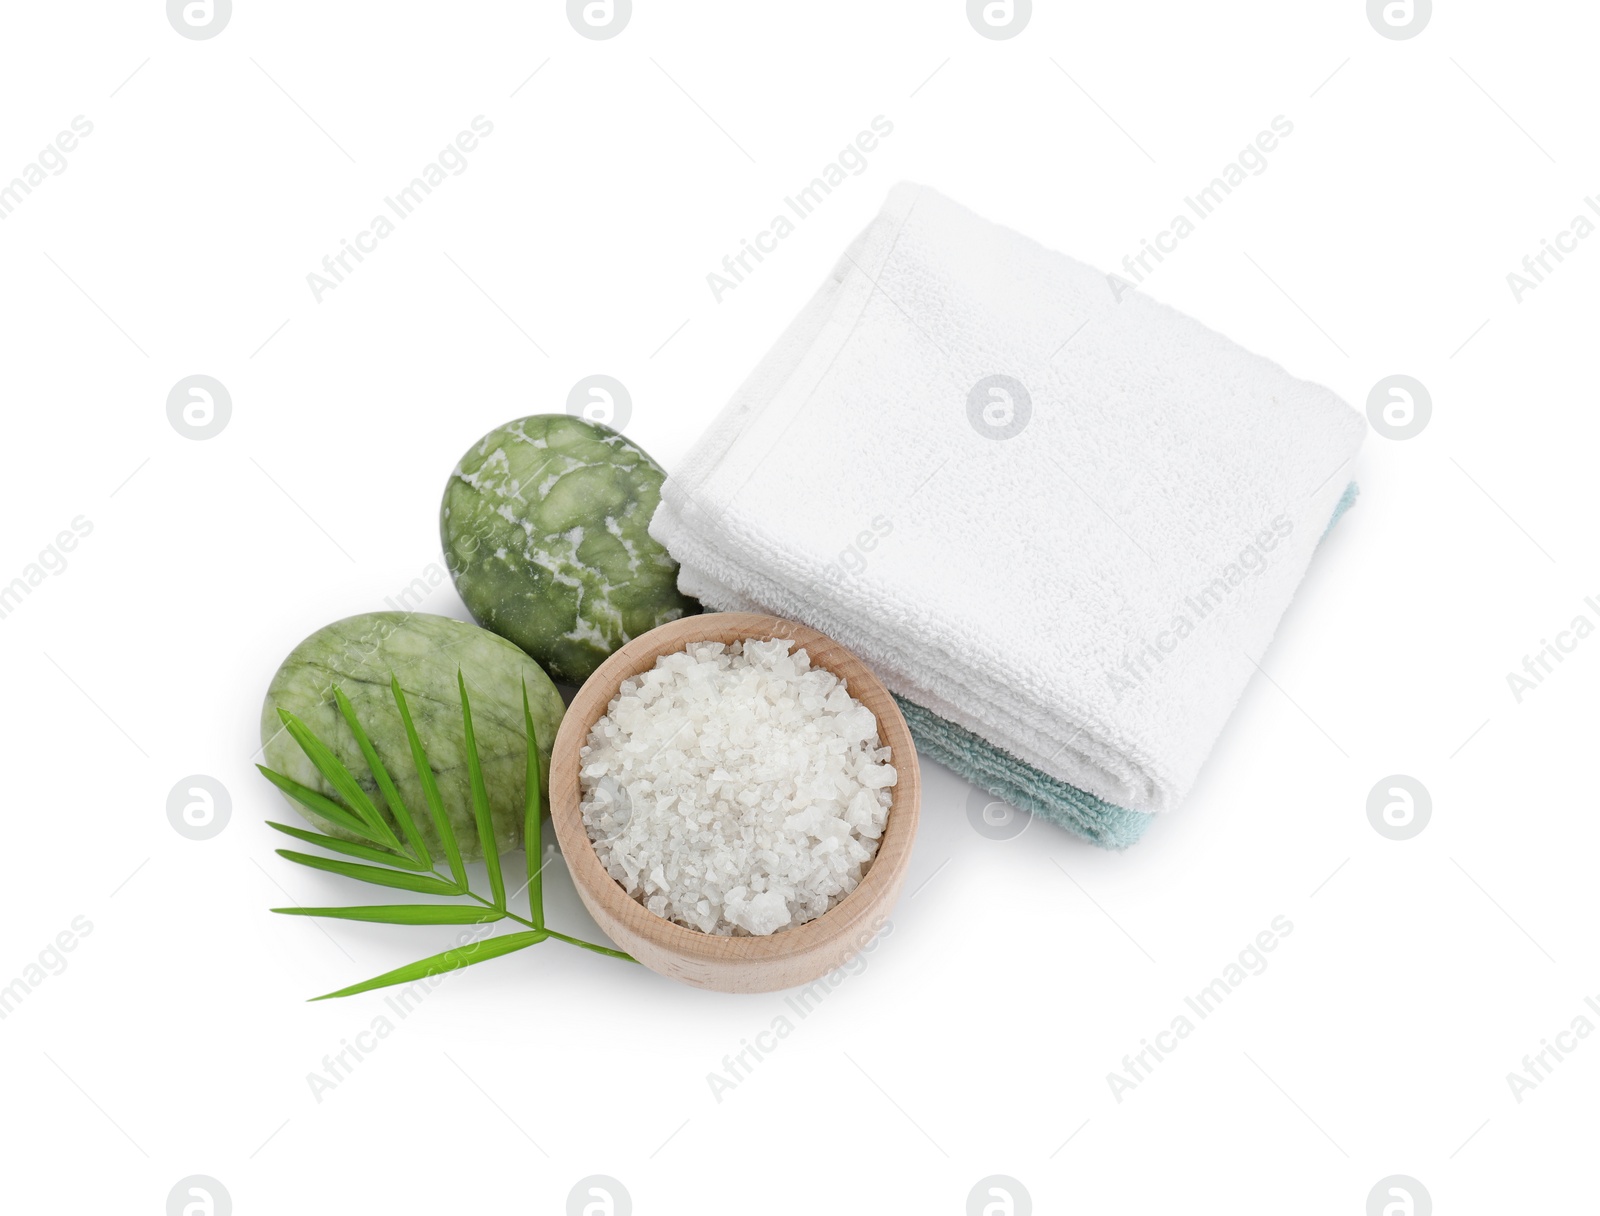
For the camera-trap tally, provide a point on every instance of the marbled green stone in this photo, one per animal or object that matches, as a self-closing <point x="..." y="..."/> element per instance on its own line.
<point x="544" y="530"/>
<point x="358" y="654"/>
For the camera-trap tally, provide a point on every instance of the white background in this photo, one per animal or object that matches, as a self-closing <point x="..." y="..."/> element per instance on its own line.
<point x="978" y="1038"/>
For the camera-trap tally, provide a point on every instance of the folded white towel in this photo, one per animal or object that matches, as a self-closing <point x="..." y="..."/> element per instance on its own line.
<point x="1066" y="523"/>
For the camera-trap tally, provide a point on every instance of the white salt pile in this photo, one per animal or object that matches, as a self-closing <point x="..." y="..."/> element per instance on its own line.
<point x="736" y="789"/>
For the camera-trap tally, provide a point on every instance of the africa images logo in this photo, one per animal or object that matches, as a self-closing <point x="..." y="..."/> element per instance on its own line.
<point x="999" y="1195"/>
<point x="599" y="1195"/>
<point x="1399" y="19"/>
<point x="199" y="1195"/>
<point x="199" y="19"/>
<point x="599" y="19"/>
<point x="1399" y="1195"/>
<point x="999" y="19"/>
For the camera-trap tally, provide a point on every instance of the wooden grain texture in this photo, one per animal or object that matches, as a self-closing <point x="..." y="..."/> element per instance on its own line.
<point x="736" y="964"/>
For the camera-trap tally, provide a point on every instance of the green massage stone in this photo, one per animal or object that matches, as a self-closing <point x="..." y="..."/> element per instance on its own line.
<point x="359" y="654"/>
<point x="544" y="531"/>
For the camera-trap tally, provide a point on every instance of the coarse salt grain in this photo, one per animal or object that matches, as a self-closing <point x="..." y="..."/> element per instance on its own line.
<point x="735" y="788"/>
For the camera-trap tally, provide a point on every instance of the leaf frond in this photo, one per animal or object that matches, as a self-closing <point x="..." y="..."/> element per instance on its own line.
<point x="391" y="796"/>
<point x="441" y="964"/>
<point x="404" y="914"/>
<point x="405" y="880"/>
<point x="480" y="800"/>
<point x="430" y="787"/>
<point x="350" y="849"/>
<point x="337" y="775"/>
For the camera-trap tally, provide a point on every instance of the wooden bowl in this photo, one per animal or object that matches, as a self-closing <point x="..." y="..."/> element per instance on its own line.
<point x="736" y="964"/>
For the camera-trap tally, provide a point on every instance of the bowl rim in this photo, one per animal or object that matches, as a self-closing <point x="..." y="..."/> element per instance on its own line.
<point x="884" y="876"/>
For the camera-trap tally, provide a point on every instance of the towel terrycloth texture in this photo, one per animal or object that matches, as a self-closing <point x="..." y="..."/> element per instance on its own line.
<point x="1061" y="525"/>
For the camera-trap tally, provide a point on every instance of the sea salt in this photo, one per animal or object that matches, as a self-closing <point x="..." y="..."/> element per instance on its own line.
<point x="736" y="789"/>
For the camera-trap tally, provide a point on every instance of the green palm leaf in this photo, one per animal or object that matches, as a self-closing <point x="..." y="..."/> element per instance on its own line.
<point x="320" y="804"/>
<point x="404" y="914"/>
<point x="337" y="775"/>
<point x="533" y="818"/>
<point x="382" y="856"/>
<point x="440" y="964"/>
<point x="480" y="800"/>
<point x="391" y="796"/>
<point x="426" y="884"/>
<point x="430" y="788"/>
<point x="396" y="866"/>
